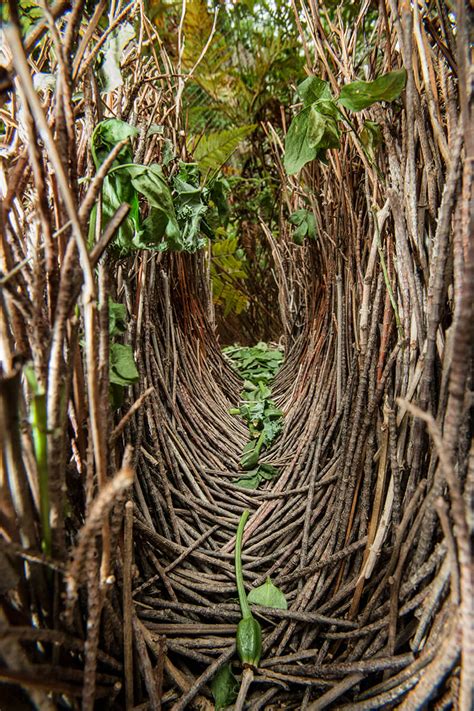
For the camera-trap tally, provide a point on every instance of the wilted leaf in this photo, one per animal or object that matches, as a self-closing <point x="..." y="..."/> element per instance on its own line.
<point x="110" y="74"/>
<point x="361" y="94"/>
<point x="161" y="222"/>
<point x="268" y="595"/>
<point x="224" y="687"/>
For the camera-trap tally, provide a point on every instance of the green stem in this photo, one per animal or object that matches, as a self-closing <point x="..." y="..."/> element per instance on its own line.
<point x="244" y="606"/>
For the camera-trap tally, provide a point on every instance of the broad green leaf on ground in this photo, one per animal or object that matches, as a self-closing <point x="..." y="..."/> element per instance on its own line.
<point x="298" y="150"/>
<point x="224" y="687"/>
<point x="268" y="595"/>
<point x="212" y="150"/>
<point x="110" y="75"/>
<point x="251" y="480"/>
<point x="305" y="225"/>
<point x="361" y="94"/>
<point x="313" y="89"/>
<point x="123" y="370"/>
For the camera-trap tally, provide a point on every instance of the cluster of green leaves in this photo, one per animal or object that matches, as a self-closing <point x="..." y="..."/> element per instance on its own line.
<point x="122" y="368"/>
<point x="29" y="14"/>
<point x="177" y="210"/>
<point x="257" y="366"/>
<point x="305" y="225"/>
<point x="317" y="128"/>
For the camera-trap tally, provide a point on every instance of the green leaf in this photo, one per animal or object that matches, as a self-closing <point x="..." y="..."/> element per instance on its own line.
<point x="268" y="595"/>
<point x="117" y="318"/>
<point x="305" y="224"/>
<point x="106" y="135"/>
<point x="323" y="130"/>
<point x="123" y="370"/>
<point x="224" y="687"/>
<point x="361" y="94"/>
<point x="211" y="151"/>
<point x="110" y="75"/>
<point x="371" y="137"/>
<point x="298" y="151"/>
<point x="250" y="481"/>
<point x="161" y="223"/>
<point x="267" y="472"/>
<point x="313" y="89"/>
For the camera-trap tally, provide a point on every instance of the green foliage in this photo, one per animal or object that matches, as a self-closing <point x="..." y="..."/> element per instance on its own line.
<point x="371" y="137"/>
<point x="314" y="89"/>
<point x="122" y="368"/>
<point x="317" y="127"/>
<point x="176" y="214"/>
<point x="305" y="225"/>
<point x="30" y="13"/>
<point x="361" y="94"/>
<point x="228" y="270"/>
<point x="268" y="595"/>
<point x="298" y="150"/>
<point x="257" y="365"/>
<point x="212" y="150"/>
<point x="224" y="687"/>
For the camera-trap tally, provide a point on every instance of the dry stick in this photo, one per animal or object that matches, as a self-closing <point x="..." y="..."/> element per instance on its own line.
<point x="117" y="431"/>
<point x="461" y="532"/>
<point x="98" y="511"/>
<point x="128" y="605"/>
<point x="145" y="664"/>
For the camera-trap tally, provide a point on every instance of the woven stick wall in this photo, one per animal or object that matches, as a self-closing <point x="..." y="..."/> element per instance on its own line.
<point x="367" y="528"/>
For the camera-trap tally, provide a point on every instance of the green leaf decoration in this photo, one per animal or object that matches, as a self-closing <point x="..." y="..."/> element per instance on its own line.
<point x="212" y="150"/>
<point x="110" y="75"/>
<point x="123" y="370"/>
<point x="161" y="223"/>
<point x="117" y="318"/>
<point x="250" y="481"/>
<point x="298" y="150"/>
<point x="267" y="472"/>
<point x="224" y="687"/>
<point x="106" y="135"/>
<point x="268" y="595"/>
<point x="323" y="130"/>
<point x="371" y="137"/>
<point x="361" y="94"/>
<point x="305" y="224"/>
<point x="313" y="89"/>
